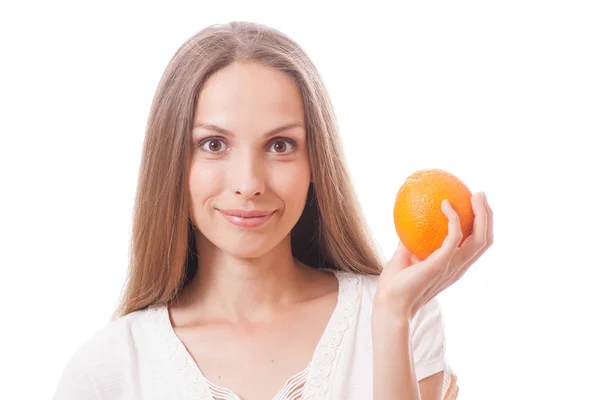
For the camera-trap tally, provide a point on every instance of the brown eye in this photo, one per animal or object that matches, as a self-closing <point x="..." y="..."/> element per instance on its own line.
<point x="280" y="147"/>
<point x="284" y="146"/>
<point x="212" y="145"/>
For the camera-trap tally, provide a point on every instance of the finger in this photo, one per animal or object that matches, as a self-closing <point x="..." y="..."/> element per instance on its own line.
<point x="489" y="231"/>
<point x="480" y="223"/>
<point x="414" y="259"/>
<point x="454" y="236"/>
<point x="402" y="258"/>
<point x="469" y="257"/>
<point x="478" y="238"/>
<point x="490" y="222"/>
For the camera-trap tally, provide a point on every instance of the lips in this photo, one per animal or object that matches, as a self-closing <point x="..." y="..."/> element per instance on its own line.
<point x="247" y="218"/>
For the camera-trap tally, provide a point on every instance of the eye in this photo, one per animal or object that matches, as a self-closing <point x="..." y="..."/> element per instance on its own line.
<point x="283" y="146"/>
<point x="212" y="145"/>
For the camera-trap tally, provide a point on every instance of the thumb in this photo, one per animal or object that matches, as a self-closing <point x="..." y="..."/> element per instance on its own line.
<point x="403" y="258"/>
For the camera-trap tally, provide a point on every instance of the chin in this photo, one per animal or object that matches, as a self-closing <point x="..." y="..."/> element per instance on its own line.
<point x="247" y="248"/>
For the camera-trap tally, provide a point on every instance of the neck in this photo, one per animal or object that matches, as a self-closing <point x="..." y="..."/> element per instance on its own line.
<point x="239" y="289"/>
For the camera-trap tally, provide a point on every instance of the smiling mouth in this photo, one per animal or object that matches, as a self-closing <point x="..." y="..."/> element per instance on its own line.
<point x="246" y="219"/>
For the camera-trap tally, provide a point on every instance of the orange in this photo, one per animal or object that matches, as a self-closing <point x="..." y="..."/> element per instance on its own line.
<point x="420" y="223"/>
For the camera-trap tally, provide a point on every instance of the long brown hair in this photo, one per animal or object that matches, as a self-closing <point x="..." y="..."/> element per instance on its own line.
<point x="331" y="232"/>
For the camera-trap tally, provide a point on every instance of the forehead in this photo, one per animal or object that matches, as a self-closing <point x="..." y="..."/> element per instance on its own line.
<point x="249" y="94"/>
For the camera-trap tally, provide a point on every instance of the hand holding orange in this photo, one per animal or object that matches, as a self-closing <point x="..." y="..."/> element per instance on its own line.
<point x="446" y="238"/>
<point x="420" y="223"/>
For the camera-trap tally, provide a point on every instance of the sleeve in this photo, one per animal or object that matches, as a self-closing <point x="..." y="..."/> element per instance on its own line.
<point x="75" y="383"/>
<point x="429" y="347"/>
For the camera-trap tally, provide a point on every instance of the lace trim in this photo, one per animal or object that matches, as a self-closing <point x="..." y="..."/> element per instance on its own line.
<point x="327" y="354"/>
<point x="291" y="390"/>
<point x="187" y="372"/>
<point x="311" y="384"/>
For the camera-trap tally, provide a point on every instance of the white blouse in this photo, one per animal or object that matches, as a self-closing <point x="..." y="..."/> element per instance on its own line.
<point x="139" y="356"/>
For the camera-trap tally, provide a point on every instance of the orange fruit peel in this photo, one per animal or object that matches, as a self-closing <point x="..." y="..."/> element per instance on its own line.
<point x="418" y="217"/>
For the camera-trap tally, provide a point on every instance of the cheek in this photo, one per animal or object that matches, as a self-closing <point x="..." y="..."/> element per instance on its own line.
<point x="205" y="183"/>
<point x="292" y="188"/>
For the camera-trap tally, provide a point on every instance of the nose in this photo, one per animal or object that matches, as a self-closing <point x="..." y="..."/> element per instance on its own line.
<point x="247" y="176"/>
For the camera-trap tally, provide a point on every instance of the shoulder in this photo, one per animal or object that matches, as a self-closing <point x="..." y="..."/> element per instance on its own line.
<point x="427" y="326"/>
<point x="106" y="345"/>
<point x="101" y="359"/>
<point x="369" y="284"/>
<point x="427" y="332"/>
<point x="431" y="310"/>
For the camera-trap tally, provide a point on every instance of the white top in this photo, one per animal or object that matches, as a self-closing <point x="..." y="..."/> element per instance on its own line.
<point x="139" y="356"/>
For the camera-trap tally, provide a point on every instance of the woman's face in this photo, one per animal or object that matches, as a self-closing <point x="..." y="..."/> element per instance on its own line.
<point x="243" y="163"/>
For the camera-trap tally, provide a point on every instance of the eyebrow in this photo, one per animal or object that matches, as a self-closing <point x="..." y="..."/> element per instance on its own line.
<point x="270" y="133"/>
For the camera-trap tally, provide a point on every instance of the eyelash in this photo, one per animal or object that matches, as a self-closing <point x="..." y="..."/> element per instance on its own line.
<point x="288" y="141"/>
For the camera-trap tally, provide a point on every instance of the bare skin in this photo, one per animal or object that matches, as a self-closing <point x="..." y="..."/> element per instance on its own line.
<point x="255" y="355"/>
<point x="253" y="315"/>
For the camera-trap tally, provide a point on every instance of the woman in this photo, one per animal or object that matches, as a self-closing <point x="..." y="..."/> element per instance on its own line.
<point x="252" y="274"/>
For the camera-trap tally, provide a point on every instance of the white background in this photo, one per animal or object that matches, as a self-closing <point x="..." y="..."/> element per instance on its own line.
<point x="506" y="95"/>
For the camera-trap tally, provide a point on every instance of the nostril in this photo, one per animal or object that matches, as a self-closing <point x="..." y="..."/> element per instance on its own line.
<point x="237" y="192"/>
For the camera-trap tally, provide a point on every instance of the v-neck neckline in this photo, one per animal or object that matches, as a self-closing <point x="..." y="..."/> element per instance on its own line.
<point x="319" y="371"/>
